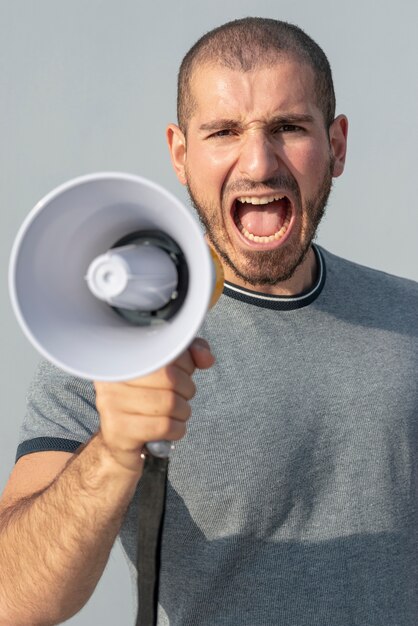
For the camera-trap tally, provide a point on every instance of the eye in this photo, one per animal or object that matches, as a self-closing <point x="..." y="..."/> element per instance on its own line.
<point x="224" y="132"/>
<point x="287" y="128"/>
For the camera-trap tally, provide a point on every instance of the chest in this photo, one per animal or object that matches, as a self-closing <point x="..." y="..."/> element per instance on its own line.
<point x="300" y="425"/>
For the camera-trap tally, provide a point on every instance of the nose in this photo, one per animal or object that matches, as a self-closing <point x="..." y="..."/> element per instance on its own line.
<point x="258" y="159"/>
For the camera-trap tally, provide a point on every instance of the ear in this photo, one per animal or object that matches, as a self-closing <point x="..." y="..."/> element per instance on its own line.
<point x="177" y="146"/>
<point x="338" y="142"/>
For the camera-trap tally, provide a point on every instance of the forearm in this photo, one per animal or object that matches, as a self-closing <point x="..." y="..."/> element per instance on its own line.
<point x="55" y="544"/>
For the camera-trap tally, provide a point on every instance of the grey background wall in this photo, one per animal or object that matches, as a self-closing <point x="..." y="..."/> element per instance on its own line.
<point x="89" y="85"/>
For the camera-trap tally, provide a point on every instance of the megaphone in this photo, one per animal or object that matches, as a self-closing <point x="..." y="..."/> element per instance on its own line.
<point x="110" y="277"/>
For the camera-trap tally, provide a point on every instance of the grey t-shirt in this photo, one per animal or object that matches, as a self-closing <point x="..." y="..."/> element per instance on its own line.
<point x="293" y="498"/>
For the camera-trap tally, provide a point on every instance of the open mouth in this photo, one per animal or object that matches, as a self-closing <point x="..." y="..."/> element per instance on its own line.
<point x="263" y="220"/>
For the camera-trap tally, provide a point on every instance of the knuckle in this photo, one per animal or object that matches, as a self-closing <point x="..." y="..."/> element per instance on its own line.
<point x="105" y="392"/>
<point x="174" y="407"/>
<point x="179" y="431"/>
<point x="188" y="411"/>
<point x="168" y="402"/>
<point x="163" y="429"/>
<point x="106" y="408"/>
<point x="192" y="390"/>
<point x="170" y="375"/>
<point x="182" y="409"/>
<point x="102" y="406"/>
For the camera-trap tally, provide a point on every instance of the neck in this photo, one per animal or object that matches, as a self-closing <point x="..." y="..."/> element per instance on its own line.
<point x="302" y="280"/>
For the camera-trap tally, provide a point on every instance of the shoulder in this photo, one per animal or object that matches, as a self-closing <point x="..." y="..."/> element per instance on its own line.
<point x="365" y="287"/>
<point x="60" y="400"/>
<point x="363" y="275"/>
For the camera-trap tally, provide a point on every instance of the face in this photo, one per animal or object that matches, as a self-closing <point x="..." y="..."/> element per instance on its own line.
<point x="258" y="162"/>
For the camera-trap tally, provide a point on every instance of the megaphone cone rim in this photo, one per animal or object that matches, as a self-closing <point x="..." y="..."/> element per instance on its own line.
<point x="187" y="337"/>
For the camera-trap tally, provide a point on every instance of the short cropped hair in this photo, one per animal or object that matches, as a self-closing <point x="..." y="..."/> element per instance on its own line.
<point x="252" y="42"/>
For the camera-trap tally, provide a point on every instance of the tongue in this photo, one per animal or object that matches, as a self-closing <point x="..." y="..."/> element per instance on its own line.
<point x="262" y="219"/>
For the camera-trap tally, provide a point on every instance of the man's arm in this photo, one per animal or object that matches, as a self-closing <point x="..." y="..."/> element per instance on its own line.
<point x="55" y="541"/>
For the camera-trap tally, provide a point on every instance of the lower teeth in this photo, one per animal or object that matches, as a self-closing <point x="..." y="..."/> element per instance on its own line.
<point x="263" y="239"/>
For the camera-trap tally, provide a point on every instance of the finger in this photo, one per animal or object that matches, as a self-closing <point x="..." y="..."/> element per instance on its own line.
<point x="185" y="362"/>
<point x="150" y="428"/>
<point x="139" y="401"/>
<point x="171" y="378"/>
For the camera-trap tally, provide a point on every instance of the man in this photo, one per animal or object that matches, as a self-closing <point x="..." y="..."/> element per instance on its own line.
<point x="292" y="497"/>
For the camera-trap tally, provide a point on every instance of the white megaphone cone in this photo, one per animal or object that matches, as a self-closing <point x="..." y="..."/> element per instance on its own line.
<point x="103" y="312"/>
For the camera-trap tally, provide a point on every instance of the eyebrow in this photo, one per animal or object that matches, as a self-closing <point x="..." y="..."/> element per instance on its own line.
<point x="222" y="123"/>
<point x="290" y="118"/>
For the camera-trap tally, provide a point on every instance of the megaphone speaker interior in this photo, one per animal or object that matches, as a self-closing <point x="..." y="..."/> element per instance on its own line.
<point x="63" y="234"/>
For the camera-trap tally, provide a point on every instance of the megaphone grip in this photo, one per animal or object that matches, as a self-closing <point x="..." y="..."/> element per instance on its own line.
<point x="160" y="449"/>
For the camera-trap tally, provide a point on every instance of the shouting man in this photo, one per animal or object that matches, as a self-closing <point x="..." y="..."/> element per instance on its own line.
<point x="292" y="494"/>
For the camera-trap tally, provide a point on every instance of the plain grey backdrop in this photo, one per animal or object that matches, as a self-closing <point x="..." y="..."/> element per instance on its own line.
<point x="89" y="85"/>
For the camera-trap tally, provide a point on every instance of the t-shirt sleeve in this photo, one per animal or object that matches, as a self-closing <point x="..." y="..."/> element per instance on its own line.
<point x="60" y="414"/>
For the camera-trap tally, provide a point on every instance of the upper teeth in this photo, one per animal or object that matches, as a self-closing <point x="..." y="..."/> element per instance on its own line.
<point x="264" y="200"/>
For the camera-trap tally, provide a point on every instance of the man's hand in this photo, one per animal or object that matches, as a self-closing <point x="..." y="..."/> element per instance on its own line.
<point x="73" y="516"/>
<point x="150" y="408"/>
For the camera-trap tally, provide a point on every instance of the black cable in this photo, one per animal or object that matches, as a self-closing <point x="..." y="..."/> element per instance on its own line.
<point x="150" y="523"/>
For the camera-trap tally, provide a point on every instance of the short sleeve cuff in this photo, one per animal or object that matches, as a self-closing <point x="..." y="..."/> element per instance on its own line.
<point x="44" y="444"/>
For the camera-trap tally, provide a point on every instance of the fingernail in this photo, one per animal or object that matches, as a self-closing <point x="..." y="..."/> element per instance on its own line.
<point x="201" y="344"/>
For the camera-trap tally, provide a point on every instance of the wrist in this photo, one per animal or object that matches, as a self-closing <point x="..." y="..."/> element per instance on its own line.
<point x="127" y="464"/>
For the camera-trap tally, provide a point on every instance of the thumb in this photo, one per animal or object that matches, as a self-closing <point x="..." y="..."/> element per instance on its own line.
<point x="201" y="354"/>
